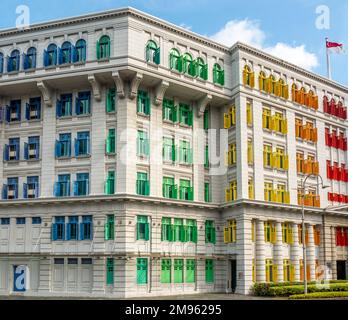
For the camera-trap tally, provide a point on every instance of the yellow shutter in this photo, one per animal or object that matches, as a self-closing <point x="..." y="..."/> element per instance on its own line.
<point x="261" y="83"/>
<point x="274" y="196"/>
<point x="278" y="89"/>
<point x="290" y="235"/>
<point x="273" y="233"/>
<point x="287" y="197"/>
<point x="249" y="114"/>
<point x="252" y="79"/>
<point x="272" y="123"/>
<point x="228" y="195"/>
<point x="233" y="115"/>
<point x="286" y="162"/>
<point x="245" y="77"/>
<point x="275" y="123"/>
<point x="269" y="85"/>
<point x="285" y="93"/>
<point x="275" y="160"/>
<point x="292" y="273"/>
<point x="227" y="238"/>
<point x="227" y="121"/>
<point x="250" y="152"/>
<point x="285" y="126"/>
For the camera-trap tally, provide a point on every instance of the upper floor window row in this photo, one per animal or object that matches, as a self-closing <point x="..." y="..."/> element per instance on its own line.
<point x="12" y="112"/>
<point x="54" y="55"/>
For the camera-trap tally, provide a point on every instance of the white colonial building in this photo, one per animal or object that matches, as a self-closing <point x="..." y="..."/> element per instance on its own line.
<point x="139" y="158"/>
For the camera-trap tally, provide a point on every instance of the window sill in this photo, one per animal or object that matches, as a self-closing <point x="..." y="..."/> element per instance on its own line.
<point x="152" y="64"/>
<point x="184" y="125"/>
<point x="218" y="85"/>
<point x="110" y="154"/>
<point x="33" y="160"/>
<point x="13" y="122"/>
<point x="12" y="73"/>
<point x="34" y="120"/>
<point x="176" y="72"/>
<point x="31" y="70"/>
<point x="185" y="164"/>
<point x="65" y="117"/>
<point x="79" y="63"/>
<point x="65" y="65"/>
<point x="169" y="162"/>
<point x="168" y="121"/>
<point x="83" y="115"/>
<point x="141" y="114"/>
<point x="106" y="59"/>
<point x="83" y="156"/>
<point x="51" y="67"/>
<point x="64" y="158"/>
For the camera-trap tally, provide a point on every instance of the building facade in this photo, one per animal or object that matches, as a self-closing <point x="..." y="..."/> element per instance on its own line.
<point x="139" y="158"/>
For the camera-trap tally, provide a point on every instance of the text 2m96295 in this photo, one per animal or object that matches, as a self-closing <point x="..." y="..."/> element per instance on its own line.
<point x="195" y="309"/>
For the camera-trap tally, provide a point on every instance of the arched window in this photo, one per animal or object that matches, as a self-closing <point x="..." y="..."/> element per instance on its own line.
<point x="103" y="48"/>
<point x="50" y="55"/>
<point x="1" y="63"/>
<point x="218" y="74"/>
<point x="30" y="59"/>
<point x="302" y="96"/>
<point x="202" y="69"/>
<point x="284" y="89"/>
<point x="272" y="85"/>
<point x="13" y="61"/>
<point x="175" y="60"/>
<point x="65" y="53"/>
<point x="80" y="51"/>
<point x="152" y="52"/>
<point x="188" y="65"/>
<point x="248" y="76"/>
<point x="262" y="81"/>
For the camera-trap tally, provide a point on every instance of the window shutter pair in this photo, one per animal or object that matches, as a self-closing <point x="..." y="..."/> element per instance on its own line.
<point x="111" y="100"/>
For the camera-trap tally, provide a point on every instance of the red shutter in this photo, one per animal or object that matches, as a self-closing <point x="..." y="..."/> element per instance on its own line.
<point x="340" y="110"/>
<point x="345" y="199"/>
<point x="344" y="113"/>
<point x="340" y="198"/>
<point x="328" y="169"/>
<point x="344" y="144"/>
<point x="327" y="137"/>
<point x="345" y="235"/>
<point x="335" y="171"/>
<point x="326" y="104"/>
<point x="334" y="139"/>
<point x="338" y="237"/>
<point x="330" y="197"/>
<point x="332" y="107"/>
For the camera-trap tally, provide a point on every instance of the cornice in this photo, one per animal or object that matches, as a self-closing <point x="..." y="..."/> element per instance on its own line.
<point x="287" y="65"/>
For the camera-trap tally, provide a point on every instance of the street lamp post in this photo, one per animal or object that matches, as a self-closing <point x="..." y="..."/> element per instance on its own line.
<point x="304" y="230"/>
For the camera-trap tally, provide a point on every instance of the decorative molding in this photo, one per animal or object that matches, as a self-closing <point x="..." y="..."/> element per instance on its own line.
<point x="96" y="87"/>
<point x="133" y="90"/>
<point x="46" y="92"/>
<point x="160" y="92"/>
<point x="202" y="104"/>
<point x="119" y="84"/>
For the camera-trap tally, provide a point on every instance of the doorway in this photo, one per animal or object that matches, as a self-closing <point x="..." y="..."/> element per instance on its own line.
<point x="233" y="275"/>
<point x="341" y="270"/>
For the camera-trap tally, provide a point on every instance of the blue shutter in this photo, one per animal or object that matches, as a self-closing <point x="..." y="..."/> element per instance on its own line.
<point x="6" y="152"/>
<point x="88" y="145"/>
<point x="73" y="53"/>
<point x="17" y="150"/>
<point x="45" y="58"/>
<point x="34" y="60"/>
<point x="54" y="232"/>
<point x="19" y="111"/>
<point x="57" y="149"/>
<point x="77" y="103"/>
<point x="27" y="111"/>
<point x="69" y="147"/>
<point x="38" y="106"/>
<point x="76" y="188"/>
<point x="60" y="56"/>
<point x="8" y="114"/>
<point x="81" y="231"/>
<point x="9" y="65"/>
<point x="56" y="189"/>
<point x="59" y="109"/>
<point x="25" y="191"/>
<point x="25" y="61"/>
<point x="4" y="191"/>
<point x="76" y="145"/>
<point x="26" y="151"/>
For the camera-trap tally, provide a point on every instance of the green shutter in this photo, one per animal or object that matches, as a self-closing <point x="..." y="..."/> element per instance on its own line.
<point x="206" y="192"/>
<point x="206" y="120"/>
<point x="142" y="266"/>
<point x="178" y="270"/>
<point x="157" y="57"/>
<point x="98" y="50"/>
<point x="182" y="234"/>
<point x="213" y="235"/>
<point x="166" y="266"/>
<point x="147" y="105"/>
<point x="205" y="72"/>
<point x="209" y="271"/>
<point x="194" y="234"/>
<point x="147" y="231"/>
<point x="109" y="271"/>
<point x="110" y="100"/>
<point x="190" y="271"/>
<point x="180" y="63"/>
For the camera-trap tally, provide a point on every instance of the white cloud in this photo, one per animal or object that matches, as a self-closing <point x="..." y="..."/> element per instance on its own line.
<point x="250" y="32"/>
<point x="185" y="26"/>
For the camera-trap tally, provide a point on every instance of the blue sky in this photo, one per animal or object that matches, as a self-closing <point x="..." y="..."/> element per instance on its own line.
<point x="286" y="28"/>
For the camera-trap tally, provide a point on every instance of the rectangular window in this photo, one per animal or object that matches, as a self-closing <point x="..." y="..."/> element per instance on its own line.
<point x="178" y="270"/>
<point x="33" y="109"/>
<point x="58" y="260"/>
<point x="62" y="187"/>
<point x="190" y="271"/>
<point x="166" y="266"/>
<point x="110" y="183"/>
<point x="143" y="228"/>
<point x="142" y="270"/>
<point x="32" y="149"/>
<point x="86" y="261"/>
<point x="81" y="185"/>
<point x="169" y="111"/>
<point x="167" y="229"/>
<point x="191" y="230"/>
<point x="249" y="114"/>
<point x="230" y="232"/>
<point x="110" y="271"/>
<point x="271" y="271"/>
<point x="12" y="150"/>
<point x="5" y="221"/>
<point x="185" y="114"/>
<point x="64" y="106"/>
<point x="170" y="189"/>
<point x="232" y="154"/>
<point x="267" y="156"/>
<point x="179" y="230"/>
<point x="267" y="122"/>
<point x="109" y="228"/>
<point x="270" y="232"/>
<point x="82" y="144"/>
<point x="13" y="111"/>
<point x="58" y="229"/>
<point x="20" y="220"/>
<point x="185" y="152"/>
<point x="72" y="228"/>
<point x="250" y="152"/>
<point x="210" y="236"/>
<point x="83" y="103"/>
<point x="142" y="184"/>
<point x="286" y="270"/>
<point x="142" y="144"/>
<point x="36" y="220"/>
<point x="269" y="192"/>
<point x="143" y="103"/>
<point x="110" y="147"/>
<point x="209" y="271"/>
<point x="111" y="100"/>
<point x="206" y="157"/>
<point x="86" y="232"/>
<point x="169" y="152"/>
<point x="63" y="146"/>
<point x="207" y="197"/>
<point x="73" y="261"/>
<point x="186" y="191"/>
<point x="251" y="189"/>
<point x="31" y="188"/>
<point x="10" y="190"/>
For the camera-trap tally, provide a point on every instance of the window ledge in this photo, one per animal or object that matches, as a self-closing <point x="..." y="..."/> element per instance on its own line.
<point x="111" y="154"/>
<point x="83" y="115"/>
<point x="185" y="164"/>
<point x="143" y="114"/>
<point x="168" y="162"/>
<point x="107" y="59"/>
<point x="33" y="160"/>
<point x="218" y="85"/>
<point x="31" y="70"/>
<point x="185" y="125"/>
<point x="177" y="72"/>
<point x="13" y="122"/>
<point x="83" y="156"/>
<point x="34" y="120"/>
<point x="152" y="64"/>
<point x="168" y="121"/>
<point x="78" y="63"/>
<point x="65" y="65"/>
<point x="13" y="73"/>
<point x="51" y="67"/>
<point x="64" y="118"/>
<point x="201" y="80"/>
<point x="64" y="158"/>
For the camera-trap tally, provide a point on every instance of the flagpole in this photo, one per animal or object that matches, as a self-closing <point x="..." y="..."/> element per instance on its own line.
<point x="328" y="62"/>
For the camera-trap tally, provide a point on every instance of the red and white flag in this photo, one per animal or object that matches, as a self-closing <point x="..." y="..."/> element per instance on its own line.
<point x="335" y="47"/>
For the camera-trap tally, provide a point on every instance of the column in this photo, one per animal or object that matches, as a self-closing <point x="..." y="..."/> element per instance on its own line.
<point x="295" y="252"/>
<point x="97" y="145"/>
<point x="48" y="150"/>
<point x="333" y="253"/>
<point x="311" y="252"/>
<point x="278" y="251"/>
<point x="260" y="252"/>
<point x="292" y="157"/>
<point x="258" y="151"/>
<point x="244" y="256"/>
